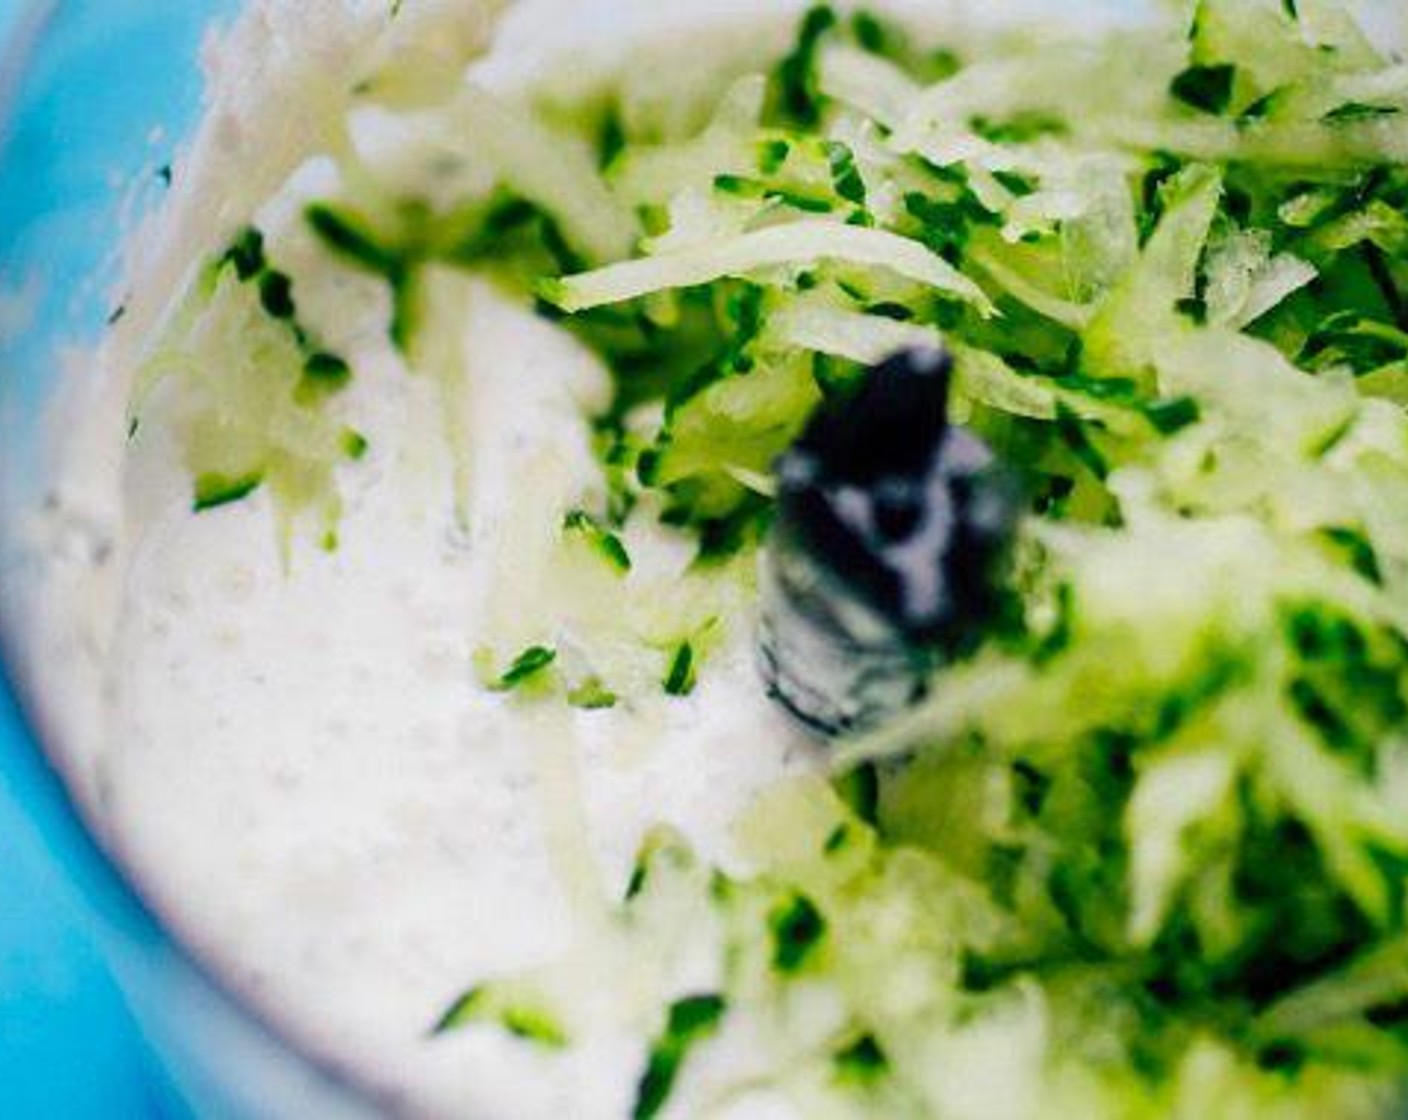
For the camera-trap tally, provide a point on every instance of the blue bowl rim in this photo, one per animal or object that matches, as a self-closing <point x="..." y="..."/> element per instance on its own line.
<point x="109" y="899"/>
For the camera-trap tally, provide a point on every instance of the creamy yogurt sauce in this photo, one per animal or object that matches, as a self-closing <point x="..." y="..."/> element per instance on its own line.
<point x="309" y="781"/>
<point x="292" y="753"/>
<point x="302" y="771"/>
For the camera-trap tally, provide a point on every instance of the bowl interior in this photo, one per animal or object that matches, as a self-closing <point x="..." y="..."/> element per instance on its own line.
<point x="93" y="101"/>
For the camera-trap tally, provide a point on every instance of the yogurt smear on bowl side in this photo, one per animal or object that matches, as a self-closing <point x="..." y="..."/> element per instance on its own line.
<point x="405" y="541"/>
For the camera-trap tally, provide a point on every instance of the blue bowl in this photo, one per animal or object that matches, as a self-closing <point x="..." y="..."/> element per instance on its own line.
<point x="101" y="1014"/>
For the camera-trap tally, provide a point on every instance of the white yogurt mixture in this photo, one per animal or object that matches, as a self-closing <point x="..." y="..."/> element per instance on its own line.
<point x="311" y="782"/>
<point x="294" y="756"/>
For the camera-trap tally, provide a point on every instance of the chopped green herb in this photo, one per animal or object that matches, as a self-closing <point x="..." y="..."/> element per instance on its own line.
<point x="942" y="63"/>
<point x="606" y="543"/>
<point x="1194" y="308"/>
<point x="661" y="845"/>
<point x="1072" y="430"/>
<point x="844" y="173"/>
<point x="1163" y="171"/>
<point x="535" y="1025"/>
<point x="690" y="1022"/>
<point x="1173" y="415"/>
<point x="1356" y="341"/>
<point x="795" y="79"/>
<point x="1382" y="273"/>
<point x="899" y="312"/>
<point x="946" y="225"/>
<point x="246" y="254"/>
<point x="592" y="695"/>
<point x="553" y="239"/>
<point x="773" y="156"/>
<point x="612" y="140"/>
<point x="723" y="538"/>
<point x="743" y="187"/>
<point x="740" y="185"/>
<point x="487" y="1004"/>
<point x="862" y="1063"/>
<point x="348" y="235"/>
<point x="276" y="294"/>
<point x="1206" y="88"/>
<point x="870" y="32"/>
<point x="1360" y="553"/>
<point x="324" y="375"/>
<point x="216" y="490"/>
<point x="683" y="674"/>
<point x="648" y="466"/>
<point x="797" y="930"/>
<point x="838" y="839"/>
<point x="466" y="1009"/>
<point x="1259" y="109"/>
<point x="1022" y="128"/>
<point x="859" y="788"/>
<point x="1355" y="112"/>
<point x="1020" y="185"/>
<point x="528" y="666"/>
<point x="354" y="445"/>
